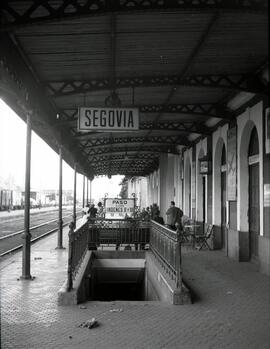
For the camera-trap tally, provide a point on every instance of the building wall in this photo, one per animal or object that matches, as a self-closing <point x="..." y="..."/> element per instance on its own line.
<point x="176" y="180"/>
<point x="201" y="150"/>
<point x="165" y="185"/>
<point x="138" y="186"/>
<point x="219" y="139"/>
<point x="187" y="197"/>
<point x="167" y="193"/>
<point x="237" y="245"/>
<point x="253" y="116"/>
<point x="153" y="188"/>
<point x="245" y="122"/>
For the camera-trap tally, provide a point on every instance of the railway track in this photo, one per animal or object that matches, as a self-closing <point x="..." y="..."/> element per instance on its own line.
<point x="13" y="242"/>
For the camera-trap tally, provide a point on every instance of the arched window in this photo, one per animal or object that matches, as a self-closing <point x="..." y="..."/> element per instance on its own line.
<point x="223" y="156"/>
<point x="253" y="148"/>
<point x="254" y="194"/>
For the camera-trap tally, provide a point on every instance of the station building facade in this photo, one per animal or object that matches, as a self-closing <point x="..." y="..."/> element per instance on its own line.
<point x="224" y="180"/>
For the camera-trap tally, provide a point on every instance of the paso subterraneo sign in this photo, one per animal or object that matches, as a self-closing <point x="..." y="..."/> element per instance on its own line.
<point x="108" y="119"/>
<point x="119" y="208"/>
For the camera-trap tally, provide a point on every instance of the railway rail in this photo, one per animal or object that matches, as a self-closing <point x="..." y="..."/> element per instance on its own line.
<point x="13" y="242"/>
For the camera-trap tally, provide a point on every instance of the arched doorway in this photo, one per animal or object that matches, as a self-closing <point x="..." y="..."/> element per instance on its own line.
<point x="254" y="194"/>
<point x="200" y="191"/>
<point x="223" y="187"/>
<point x="187" y="187"/>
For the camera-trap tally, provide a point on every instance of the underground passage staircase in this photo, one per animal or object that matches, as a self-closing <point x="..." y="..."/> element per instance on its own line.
<point x="123" y="260"/>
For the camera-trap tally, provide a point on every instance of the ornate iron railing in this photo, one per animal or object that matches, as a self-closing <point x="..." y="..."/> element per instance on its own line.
<point x="77" y="247"/>
<point x="103" y="232"/>
<point x="118" y="232"/>
<point x="166" y="246"/>
<point x="163" y="242"/>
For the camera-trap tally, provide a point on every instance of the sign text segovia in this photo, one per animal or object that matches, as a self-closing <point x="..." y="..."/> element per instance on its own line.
<point x="108" y="119"/>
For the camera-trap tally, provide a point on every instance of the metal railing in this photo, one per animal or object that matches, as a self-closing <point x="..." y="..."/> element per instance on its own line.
<point x="163" y="242"/>
<point x="166" y="246"/>
<point x="77" y="248"/>
<point x="103" y="232"/>
<point x="118" y="232"/>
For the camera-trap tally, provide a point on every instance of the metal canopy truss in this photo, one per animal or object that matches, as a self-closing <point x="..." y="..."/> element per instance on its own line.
<point x="198" y="109"/>
<point x="184" y="128"/>
<point x="184" y="71"/>
<point x="141" y="168"/>
<point x="19" y="88"/>
<point x="179" y="62"/>
<point x="141" y="156"/>
<point x="240" y="82"/>
<point x="42" y="10"/>
<point x="162" y="140"/>
<point x="125" y="151"/>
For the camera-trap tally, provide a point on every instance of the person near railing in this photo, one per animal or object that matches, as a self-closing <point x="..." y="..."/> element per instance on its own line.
<point x="84" y="218"/>
<point x="86" y="209"/>
<point x="157" y="218"/>
<point x="144" y="216"/>
<point x="174" y="215"/>
<point x="100" y="210"/>
<point x="92" y="213"/>
<point x="154" y="209"/>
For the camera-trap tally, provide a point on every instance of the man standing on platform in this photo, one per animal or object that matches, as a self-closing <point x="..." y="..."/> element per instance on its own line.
<point x="174" y="216"/>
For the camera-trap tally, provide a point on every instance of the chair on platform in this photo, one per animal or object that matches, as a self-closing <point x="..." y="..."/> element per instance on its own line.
<point x="201" y="241"/>
<point x="185" y="235"/>
<point x="189" y="231"/>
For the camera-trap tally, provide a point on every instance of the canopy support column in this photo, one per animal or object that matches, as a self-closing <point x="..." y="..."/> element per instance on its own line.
<point x="83" y="191"/>
<point x="90" y="190"/>
<point x="74" y="194"/>
<point x="26" y="236"/>
<point x="60" y="213"/>
<point x="87" y="185"/>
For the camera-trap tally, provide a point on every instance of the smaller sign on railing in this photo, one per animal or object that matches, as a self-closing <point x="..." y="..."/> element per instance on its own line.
<point x="119" y="208"/>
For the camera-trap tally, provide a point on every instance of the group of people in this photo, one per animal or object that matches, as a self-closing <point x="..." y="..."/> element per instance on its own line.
<point x="153" y="213"/>
<point x="90" y="212"/>
<point x="174" y="215"/>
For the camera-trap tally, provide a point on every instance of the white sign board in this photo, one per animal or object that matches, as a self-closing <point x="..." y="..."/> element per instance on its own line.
<point x="119" y="208"/>
<point x="108" y="119"/>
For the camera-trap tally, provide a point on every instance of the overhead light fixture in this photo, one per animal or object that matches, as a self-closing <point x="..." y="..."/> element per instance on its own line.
<point x="126" y="157"/>
<point x="113" y="100"/>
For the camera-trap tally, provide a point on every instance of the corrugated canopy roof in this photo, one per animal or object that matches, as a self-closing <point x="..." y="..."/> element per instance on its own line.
<point x="179" y="62"/>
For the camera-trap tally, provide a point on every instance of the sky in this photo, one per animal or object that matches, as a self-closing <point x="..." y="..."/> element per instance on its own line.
<point x="44" y="161"/>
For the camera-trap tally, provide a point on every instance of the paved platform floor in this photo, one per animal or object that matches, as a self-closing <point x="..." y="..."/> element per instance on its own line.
<point x="231" y="310"/>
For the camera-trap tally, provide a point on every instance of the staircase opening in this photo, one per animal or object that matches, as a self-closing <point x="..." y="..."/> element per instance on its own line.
<point x="118" y="291"/>
<point x="118" y="279"/>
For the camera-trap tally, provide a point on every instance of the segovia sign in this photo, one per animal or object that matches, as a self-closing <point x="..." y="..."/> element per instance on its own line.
<point x="108" y="119"/>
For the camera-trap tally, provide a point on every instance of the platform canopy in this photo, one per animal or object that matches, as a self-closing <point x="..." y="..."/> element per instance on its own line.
<point x="177" y="63"/>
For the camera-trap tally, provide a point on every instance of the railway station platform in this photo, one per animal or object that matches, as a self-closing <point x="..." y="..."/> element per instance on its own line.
<point x="230" y="308"/>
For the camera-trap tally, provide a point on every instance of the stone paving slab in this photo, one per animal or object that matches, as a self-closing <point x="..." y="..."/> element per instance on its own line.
<point x="231" y="310"/>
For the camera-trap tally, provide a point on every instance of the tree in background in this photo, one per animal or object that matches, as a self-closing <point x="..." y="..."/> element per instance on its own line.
<point x="124" y="189"/>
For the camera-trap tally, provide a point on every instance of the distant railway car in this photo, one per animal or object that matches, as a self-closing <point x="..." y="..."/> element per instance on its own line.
<point x="17" y="200"/>
<point x="41" y="199"/>
<point x="6" y="199"/>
